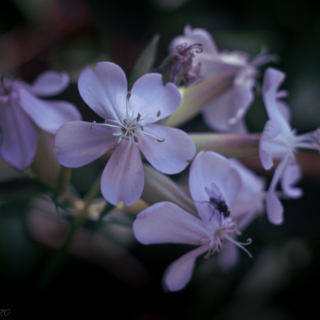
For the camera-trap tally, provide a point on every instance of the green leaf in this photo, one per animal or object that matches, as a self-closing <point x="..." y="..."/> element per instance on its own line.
<point x="146" y="60"/>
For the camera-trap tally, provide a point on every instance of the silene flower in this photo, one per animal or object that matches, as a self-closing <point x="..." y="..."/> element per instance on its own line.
<point x="21" y="111"/>
<point x="226" y="112"/>
<point x="214" y="185"/>
<point x="279" y="141"/>
<point x="129" y="128"/>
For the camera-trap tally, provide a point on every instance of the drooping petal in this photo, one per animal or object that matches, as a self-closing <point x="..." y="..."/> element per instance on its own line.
<point x="166" y="222"/>
<point x="170" y="156"/>
<point x="210" y="167"/>
<point x="271" y="82"/>
<point x="104" y="90"/>
<point x="81" y="142"/>
<point x="179" y="273"/>
<point x="272" y="144"/>
<point x="49" y="83"/>
<point x="123" y="177"/>
<point x="278" y="173"/>
<point x="291" y="175"/>
<point x="243" y="93"/>
<point x="18" y="137"/>
<point x="149" y="95"/>
<point x="48" y="115"/>
<point x="274" y="208"/>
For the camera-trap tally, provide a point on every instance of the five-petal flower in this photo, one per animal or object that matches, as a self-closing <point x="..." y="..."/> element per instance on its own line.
<point x="21" y="112"/>
<point x="214" y="185"/>
<point x="129" y="127"/>
<point x="227" y="111"/>
<point x="279" y="141"/>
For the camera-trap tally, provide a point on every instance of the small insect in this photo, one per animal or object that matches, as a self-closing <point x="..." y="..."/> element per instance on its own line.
<point x="216" y="200"/>
<point x="220" y="205"/>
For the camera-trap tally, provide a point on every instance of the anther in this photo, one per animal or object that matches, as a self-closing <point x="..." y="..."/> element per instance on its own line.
<point x="141" y="127"/>
<point x="125" y="122"/>
<point x="135" y="138"/>
<point x="162" y="140"/>
<point x="159" y="113"/>
<point x="138" y="117"/>
<point x="92" y="124"/>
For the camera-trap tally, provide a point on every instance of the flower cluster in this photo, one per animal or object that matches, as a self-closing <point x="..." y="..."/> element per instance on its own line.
<point x="225" y="113"/>
<point x="225" y="196"/>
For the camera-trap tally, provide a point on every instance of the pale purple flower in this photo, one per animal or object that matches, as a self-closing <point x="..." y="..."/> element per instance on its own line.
<point x="225" y="113"/>
<point x="214" y="185"/>
<point x="279" y="141"/>
<point x="21" y="112"/>
<point x="129" y="127"/>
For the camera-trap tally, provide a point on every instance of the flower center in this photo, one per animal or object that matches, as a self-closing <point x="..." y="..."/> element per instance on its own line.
<point x="131" y="126"/>
<point x="226" y="232"/>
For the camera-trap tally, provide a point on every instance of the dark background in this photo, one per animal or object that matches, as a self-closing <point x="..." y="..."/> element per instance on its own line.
<point x="282" y="279"/>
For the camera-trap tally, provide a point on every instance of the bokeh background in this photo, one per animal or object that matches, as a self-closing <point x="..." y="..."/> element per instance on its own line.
<point x="106" y="272"/>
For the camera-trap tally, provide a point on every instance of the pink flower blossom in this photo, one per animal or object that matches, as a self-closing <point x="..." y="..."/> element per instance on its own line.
<point x="227" y="111"/>
<point x="129" y="128"/>
<point x="279" y="141"/>
<point x="214" y="186"/>
<point x="21" y="112"/>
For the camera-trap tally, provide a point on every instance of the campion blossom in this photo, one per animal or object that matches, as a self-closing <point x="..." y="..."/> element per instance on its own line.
<point x="226" y="112"/>
<point x="129" y="128"/>
<point x="214" y="185"/>
<point x="21" y="111"/>
<point x="279" y="141"/>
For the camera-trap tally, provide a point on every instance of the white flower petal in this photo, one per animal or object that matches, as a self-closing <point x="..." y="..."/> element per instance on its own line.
<point x="291" y="175"/>
<point x="149" y="95"/>
<point x="274" y="208"/>
<point x="179" y="273"/>
<point x="81" y="142"/>
<point x="170" y="156"/>
<point x="104" y="90"/>
<point x="123" y="177"/>
<point x="48" y="115"/>
<point x="210" y="167"/>
<point x="166" y="222"/>
<point x="49" y="83"/>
